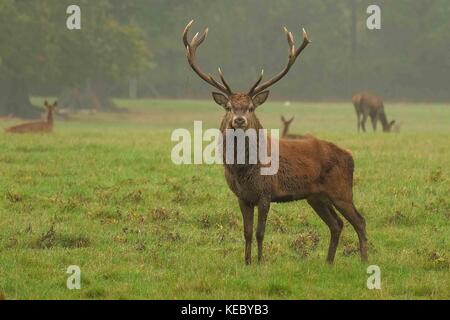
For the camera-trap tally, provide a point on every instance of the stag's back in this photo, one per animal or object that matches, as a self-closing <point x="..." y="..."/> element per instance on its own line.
<point x="31" y="127"/>
<point x="367" y="103"/>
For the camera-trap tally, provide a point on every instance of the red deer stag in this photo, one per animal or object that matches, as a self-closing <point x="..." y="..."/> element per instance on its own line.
<point x="37" y="126"/>
<point x="285" y="134"/>
<point x="309" y="168"/>
<point x="367" y="104"/>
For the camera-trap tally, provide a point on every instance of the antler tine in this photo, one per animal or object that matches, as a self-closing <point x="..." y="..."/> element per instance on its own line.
<point x="293" y="54"/>
<point x="191" y="48"/>
<point x="290" y="38"/>
<point x="203" y="37"/>
<point x="215" y="83"/>
<point x="222" y="78"/>
<point x="252" y="89"/>
<point x="194" y="40"/>
<point x="305" y="43"/>
<point x="185" y="32"/>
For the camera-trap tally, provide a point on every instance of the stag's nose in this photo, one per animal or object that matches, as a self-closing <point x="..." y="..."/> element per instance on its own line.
<point x="239" y="122"/>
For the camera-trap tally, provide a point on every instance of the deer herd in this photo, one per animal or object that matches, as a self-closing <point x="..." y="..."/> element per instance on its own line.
<point x="310" y="169"/>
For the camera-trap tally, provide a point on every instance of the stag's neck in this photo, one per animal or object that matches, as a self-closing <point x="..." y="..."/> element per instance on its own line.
<point x="241" y="169"/>
<point x="383" y="120"/>
<point x="50" y="116"/>
<point x="285" y="132"/>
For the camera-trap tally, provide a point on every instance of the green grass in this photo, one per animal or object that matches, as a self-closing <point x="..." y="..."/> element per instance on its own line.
<point x="102" y="193"/>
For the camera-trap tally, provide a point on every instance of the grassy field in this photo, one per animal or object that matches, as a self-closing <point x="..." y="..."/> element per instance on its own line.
<point x="102" y="193"/>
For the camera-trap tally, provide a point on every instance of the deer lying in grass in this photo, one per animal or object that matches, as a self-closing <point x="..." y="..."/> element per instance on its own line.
<point x="36" y="126"/>
<point x="285" y="134"/>
<point x="311" y="169"/>
<point x="369" y="105"/>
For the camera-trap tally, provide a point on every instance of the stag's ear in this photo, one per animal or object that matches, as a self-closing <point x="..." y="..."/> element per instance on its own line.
<point x="283" y="119"/>
<point x="46" y="103"/>
<point x="260" y="98"/>
<point x="220" y="99"/>
<point x="55" y="104"/>
<point x="392" y="123"/>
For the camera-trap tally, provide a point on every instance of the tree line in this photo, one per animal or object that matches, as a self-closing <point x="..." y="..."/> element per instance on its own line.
<point x="134" y="49"/>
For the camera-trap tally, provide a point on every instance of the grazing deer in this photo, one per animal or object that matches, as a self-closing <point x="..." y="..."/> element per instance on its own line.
<point x="37" y="126"/>
<point x="285" y="134"/>
<point x="367" y="104"/>
<point x="311" y="169"/>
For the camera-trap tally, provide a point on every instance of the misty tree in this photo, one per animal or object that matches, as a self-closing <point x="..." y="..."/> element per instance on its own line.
<point x="22" y="50"/>
<point x="36" y="49"/>
<point x="406" y="59"/>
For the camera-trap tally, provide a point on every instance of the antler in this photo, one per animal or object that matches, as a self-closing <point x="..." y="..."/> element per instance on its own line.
<point x="191" y="48"/>
<point x="293" y="54"/>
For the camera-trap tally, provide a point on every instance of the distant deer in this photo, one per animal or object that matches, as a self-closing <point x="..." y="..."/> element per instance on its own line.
<point x="36" y="126"/>
<point x="311" y="169"/>
<point x="285" y="134"/>
<point x="367" y="104"/>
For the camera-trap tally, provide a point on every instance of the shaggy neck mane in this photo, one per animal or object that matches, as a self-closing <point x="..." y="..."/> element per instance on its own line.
<point x="253" y="123"/>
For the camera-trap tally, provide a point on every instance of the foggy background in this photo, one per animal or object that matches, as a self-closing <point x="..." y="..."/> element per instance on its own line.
<point x="133" y="49"/>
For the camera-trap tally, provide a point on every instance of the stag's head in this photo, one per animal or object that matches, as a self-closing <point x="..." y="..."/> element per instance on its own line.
<point x="395" y="127"/>
<point x="50" y="107"/>
<point x="391" y="126"/>
<point x="239" y="106"/>
<point x="286" y="124"/>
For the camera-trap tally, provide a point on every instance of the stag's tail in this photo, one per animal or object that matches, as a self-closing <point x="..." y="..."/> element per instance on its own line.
<point x="347" y="163"/>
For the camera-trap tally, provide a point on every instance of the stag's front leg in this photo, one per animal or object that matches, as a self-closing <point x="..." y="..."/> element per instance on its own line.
<point x="358" y="121"/>
<point x="247" y="215"/>
<point x="263" y="210"/>
<point x="363" y="122"/>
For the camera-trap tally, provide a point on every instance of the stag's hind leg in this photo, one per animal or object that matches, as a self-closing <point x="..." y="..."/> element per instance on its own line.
<point x="334" y="223"/>
<point x="348" y="210"/>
